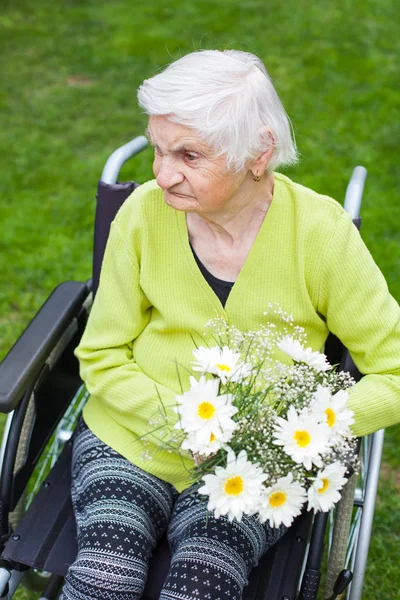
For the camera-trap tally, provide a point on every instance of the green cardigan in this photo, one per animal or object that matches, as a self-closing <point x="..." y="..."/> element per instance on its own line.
<point x="152" y="300"/>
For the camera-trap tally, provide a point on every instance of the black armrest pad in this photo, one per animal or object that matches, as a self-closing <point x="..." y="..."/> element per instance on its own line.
<point x="24" y="361"/>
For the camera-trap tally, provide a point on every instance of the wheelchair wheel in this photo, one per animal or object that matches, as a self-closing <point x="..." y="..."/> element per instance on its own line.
<point x="34" y="579"/>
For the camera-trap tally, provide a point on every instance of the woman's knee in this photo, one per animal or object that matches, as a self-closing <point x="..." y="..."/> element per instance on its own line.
<point x="191" y="520"/>
<point x="109" y="489"/>
<point x="203" y="567"/>
<point x="97" y="575"/>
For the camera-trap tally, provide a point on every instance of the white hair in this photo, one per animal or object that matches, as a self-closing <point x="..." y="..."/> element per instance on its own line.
<point x="228" y="98"/>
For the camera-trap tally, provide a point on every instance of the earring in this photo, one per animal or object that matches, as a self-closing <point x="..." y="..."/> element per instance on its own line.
<point x="256" y="177"/>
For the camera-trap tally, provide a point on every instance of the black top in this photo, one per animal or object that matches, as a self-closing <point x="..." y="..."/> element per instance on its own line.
<point x="220" y="287"/>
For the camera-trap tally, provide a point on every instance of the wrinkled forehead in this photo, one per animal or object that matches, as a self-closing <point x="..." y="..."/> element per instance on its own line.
<point x="162" y="131"/>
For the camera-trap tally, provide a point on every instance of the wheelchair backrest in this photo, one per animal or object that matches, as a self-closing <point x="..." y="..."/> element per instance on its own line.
<point x="110" y="198"/>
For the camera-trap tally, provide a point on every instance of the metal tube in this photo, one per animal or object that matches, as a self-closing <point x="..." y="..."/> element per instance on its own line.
<point x="120" y="156"/>
<point x="4" y="579"/>
<point x="354" y="192"/>
<point x="52" y="588"/>
<point x="16" y="577"/>
<point x="364" y="536"/>
<point x="5" y="438"/>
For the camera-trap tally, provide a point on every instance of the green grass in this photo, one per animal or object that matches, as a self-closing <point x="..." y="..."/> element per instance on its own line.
<point x="70" y="70"/>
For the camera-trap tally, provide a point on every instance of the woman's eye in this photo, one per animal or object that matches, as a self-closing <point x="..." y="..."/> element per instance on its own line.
<point x="190" y="156"/>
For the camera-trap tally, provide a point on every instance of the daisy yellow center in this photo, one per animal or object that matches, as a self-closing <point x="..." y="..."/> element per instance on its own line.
<point x="205" y="410"/>
<point x="277" y="499"/>
<point x="325" y="485"/>
<point x="212" y="438"/>
<point x="234" y="486"/>
<point x="302" y="438"/>
<point x="224" y="368"/>
<point x="330" y="417"/>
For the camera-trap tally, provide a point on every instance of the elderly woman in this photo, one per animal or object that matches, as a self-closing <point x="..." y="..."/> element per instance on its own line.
<point x="218" y="232"/>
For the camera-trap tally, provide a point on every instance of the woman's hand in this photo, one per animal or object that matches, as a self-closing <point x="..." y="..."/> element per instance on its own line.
<point x="198" y="459"/>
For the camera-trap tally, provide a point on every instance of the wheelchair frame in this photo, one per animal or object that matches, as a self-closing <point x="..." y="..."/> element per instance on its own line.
<point x="40" y="367"/>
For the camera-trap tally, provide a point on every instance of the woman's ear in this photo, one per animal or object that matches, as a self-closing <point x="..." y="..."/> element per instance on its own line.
<point x="261" y="163"/>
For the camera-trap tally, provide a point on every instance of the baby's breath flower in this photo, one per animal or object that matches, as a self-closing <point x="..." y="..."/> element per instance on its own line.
<point x="146" y="456"/>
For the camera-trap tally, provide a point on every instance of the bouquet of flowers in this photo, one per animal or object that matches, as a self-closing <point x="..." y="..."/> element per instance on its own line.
<point x="267" y="435"/>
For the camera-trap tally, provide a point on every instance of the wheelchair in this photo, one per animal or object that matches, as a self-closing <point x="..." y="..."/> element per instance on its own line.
<point x="42" y="393"/>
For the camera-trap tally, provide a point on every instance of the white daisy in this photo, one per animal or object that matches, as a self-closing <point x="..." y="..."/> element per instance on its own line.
<point x="324" y="491"/>
<point x="234" y="490"/>
<point x="333" y="411"/>
<point x="303" y="437"/>
<point x="202" y="412"/>
<point x="209" y="447"/>
<point x="282" y="502"/>
<point x="222" y="362"/>
<point x="298" y="353"/>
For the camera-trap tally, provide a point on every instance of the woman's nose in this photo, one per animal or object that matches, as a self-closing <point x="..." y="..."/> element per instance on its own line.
<point x="167" y="173"/>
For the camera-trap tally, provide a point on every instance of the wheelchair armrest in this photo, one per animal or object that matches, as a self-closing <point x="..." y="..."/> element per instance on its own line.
<point x="22" y="364"/>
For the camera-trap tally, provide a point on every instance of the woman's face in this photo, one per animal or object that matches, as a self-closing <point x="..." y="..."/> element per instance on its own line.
<point x="191" y="176"/>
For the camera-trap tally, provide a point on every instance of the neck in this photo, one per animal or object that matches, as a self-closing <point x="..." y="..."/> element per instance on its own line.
<point x="245" y="212"/>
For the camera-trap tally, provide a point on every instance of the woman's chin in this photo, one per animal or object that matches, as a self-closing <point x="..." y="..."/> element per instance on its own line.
<point x="186" y="203"/>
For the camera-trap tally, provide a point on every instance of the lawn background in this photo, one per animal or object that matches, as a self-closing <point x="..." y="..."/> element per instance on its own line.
<point x="69" y="74"/>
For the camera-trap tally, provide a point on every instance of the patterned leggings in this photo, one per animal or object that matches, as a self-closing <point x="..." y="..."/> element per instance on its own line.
<point x="122" y="512"/>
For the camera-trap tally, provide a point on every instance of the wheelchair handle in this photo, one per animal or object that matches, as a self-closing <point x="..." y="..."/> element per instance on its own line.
<point x="120" y="156"/>
<point x="354" y="192"/>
